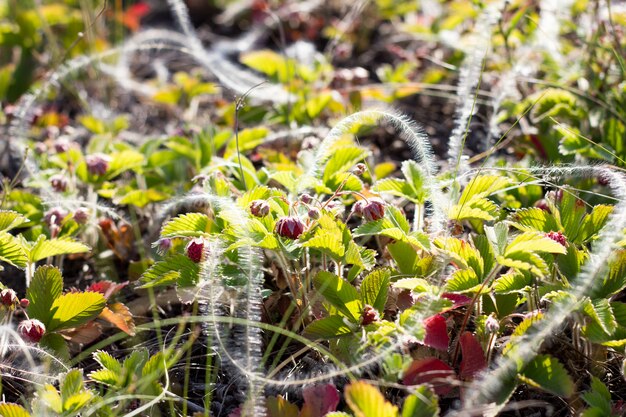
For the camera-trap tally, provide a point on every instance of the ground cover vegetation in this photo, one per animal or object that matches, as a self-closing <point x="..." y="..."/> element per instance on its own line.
<point x="305" y="209"/>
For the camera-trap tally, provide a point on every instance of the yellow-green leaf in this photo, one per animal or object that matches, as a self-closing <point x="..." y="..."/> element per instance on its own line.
<point x="366" y="400"/>
<point x="13" y="410"/>
<point x="74" y="309"/>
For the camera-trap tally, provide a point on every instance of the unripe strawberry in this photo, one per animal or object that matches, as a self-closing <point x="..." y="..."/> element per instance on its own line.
<point x="259" y="208"/>
<point x="54" y="216"/>
<point x="8" y="298"/>
<point x="492" y="325"/>
<point x="357" y="208"/>
<point x="31" y="330"/>
<point x="557" y="237"/>
<point x="306" y="198"/>
<point x="359" y="169"/>
<point x="97" y="164"/>
<point x="374" y="209"/>
<point x="81" y="215"/>
<point x="162" y="246"/>
<point x="290" y="227"/>
<point x="314" y="213"/>
<point x="24" y="303"/>
<point x="369" y="315"/>
<point x="195" y="250"/>
<point x="59" y="183"/>
<point x="543" y="205"/>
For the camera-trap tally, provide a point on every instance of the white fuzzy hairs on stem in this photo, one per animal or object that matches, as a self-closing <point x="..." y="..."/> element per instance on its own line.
<point x="469" y="78"/>
<point x="482" y="392"/>
<point x="409" y="131"/>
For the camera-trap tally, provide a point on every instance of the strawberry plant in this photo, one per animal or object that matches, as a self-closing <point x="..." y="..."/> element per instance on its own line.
<point x="216" y="217"/>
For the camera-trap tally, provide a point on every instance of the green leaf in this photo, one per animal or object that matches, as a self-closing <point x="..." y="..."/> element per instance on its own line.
<point x="74" y="309"/>
<point x="374" y="289"/>
<point x="13" y="410"/>
<point x="343" y="159"/>
<point x="124" y="161"/>
<point x="599" y="396"/>
<point x="483" y="186"/>
<point x="571" y="211"/>
<point x="174" y="269"/>
<point x="366" y="400"/>
<point x="533" y="219"/>
<point x="415" y="177"/>
<point x="340" y="293"/>
<point x="549" y="374"/>
<point x="12" y="251"/>
<point x="327" y="328"/>
<point x="594" y="222"/>
<point x="533" y="242"/>
<point x="525" y="261"/>
<point x="512" y="282"/>
<point x="141" y="198"/>
<point x="600" y="310"/>
<point x="72" y="384"/>
<point x="328" y="243"/>
<point x="424" y="403"/>
<point x="186" y="225"/>
<point x="106" y="376"/>
<point x="77" y="401"/>
<point x="10" y="220"/>
<point x="44" y="248"/>
<point x="46" y="286"/>
<point x="463" y="280"/>
<point x="476" y="209"/>
<point x="395" y="186"/>
<point x="107" y="361"/>
<point x="54" y="342"/>
<point x="615" y="280"/>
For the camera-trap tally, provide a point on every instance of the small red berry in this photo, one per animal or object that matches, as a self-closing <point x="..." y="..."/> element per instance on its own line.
<point x="81" y="215"/>
<point x="290" y="227"/>
<point x="314" y="213"/>
<point x="8" y="298"/>
<point x="195" y="250"/>
<point x="24" y="303"/>
<point x="259" y="208"/>
<point x="97" y="164"/>
<point x="543" y="205"/>
<point x="31" y="330"/>
<point x="557" y="237"/>
<point x="54" y="216"/>
<point x="374" y="209"/>
<point x="369" y="315"/>
<point x="59" y="183"/>
<point x="306" y="198"/>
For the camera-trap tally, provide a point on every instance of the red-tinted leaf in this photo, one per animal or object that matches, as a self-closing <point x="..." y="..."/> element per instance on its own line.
<point x="85" y="334"/>
<point x="473" y="356"/>
<point x="107" y="288"/>
<point x="118" y="315"/>
<point x="319" y="400"/>
<point x="405" y="299"/>
<point x="436" y="332"/>
<point x="459" y="300"/>
<point x="430" y="370"/>
<point x="132" y="17"/>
